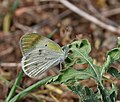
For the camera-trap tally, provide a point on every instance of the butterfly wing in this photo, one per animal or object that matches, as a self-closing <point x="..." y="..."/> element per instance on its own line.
<point x="33" y="41"/>
<point x="39" y="54"/>
<point x="35" y="66"/>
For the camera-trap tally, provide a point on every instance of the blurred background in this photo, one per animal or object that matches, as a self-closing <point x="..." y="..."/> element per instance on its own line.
<point x="62" y="21"/>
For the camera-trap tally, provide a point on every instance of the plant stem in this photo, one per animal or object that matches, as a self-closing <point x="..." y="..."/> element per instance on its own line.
<point x="105" y="97"/>
<point x="29" y="89"/>
<point x="17" y="82"/>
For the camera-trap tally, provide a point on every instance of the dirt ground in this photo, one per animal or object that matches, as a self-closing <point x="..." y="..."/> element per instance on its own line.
<point x="63" y="24"/>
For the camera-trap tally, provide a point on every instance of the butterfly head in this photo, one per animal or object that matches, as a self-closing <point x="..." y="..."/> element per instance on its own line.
<point x="65" y="50"/>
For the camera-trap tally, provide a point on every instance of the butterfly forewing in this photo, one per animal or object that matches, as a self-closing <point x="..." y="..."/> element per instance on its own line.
<point x="30" y="42"/>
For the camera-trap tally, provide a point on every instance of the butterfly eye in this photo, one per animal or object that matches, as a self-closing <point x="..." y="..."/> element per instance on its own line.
<point x="46" y="45"/>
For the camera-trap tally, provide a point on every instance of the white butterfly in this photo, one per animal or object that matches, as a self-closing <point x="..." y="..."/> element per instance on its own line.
<point x="40" y="54"/>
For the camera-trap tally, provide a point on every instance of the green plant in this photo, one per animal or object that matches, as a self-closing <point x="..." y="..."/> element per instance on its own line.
<point x="79" y="53"/>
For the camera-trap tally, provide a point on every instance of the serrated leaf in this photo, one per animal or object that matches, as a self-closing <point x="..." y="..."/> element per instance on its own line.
<point x="70" y="76"/>
<point x="113" y="97"/>
<point x="81" y="61"/>
<point x="88" y="91"/>
<point x="106" y="64"/>
<point x="81" y="50"/>
<point x="105" y="96"/>
<point x="70" y="61"/>
<point x="108" y="95"/>
<point x="71" y="73"/>
<point x="77" y="89"/>
<point x="83" y="45"/>
<point x="90" y="96"/>
<point x="114" y="89"/>
<point x="114" y="72"/>
<point x="114" y="54"/>
<point x="112" y="93"/>
<point x="86" y="94"/>
<point x="105" y="67"/>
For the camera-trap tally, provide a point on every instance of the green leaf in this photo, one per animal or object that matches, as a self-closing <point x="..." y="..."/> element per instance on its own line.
<point x="114" y="72"/>
<point x="113" y="94"/>
<point x="83" y="45"/>
<point x="88" y="91"/>
<point x="90" y="96"/>
<point x="81" y="61"/>
<point x="86" y="94"/>
<point x="77" y="89"/>
<point x="108" y="95"/>
<point x="14" y="6"/>
<point x="106" y="64"/>
<point x="113" y="97"/>
<point x="70" y="61"/>
<point x="14" y="87"/>
<point x="73" y="58"/>
<point x="29" y="89"/>
<point x="70" y="75"/>
<point x="114" y="89"/>
<point x="114" y="54"/>
<point x="105" y="67"/>
<point x="103" y="92"/>
<point x="81" y="50"/>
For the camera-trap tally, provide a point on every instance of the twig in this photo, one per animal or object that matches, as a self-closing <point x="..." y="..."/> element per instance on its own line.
<point x="89" y="17"/>
<point x="54" y="89"/>
<point x="27" y="29"/>
<point x="7" y="51"/>
<point x="38" y="8"/>
<point x="98" y="14"/>
<point x="112" y="12"/>
<point x="10" y="64"/>
<point x="24" y="28"/>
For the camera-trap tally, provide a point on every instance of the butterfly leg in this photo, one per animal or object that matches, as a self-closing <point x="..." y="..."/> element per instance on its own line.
<point x="60" y="66"/>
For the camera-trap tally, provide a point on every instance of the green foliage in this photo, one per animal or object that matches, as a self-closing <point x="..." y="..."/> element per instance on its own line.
<point x="114" y="72"/>
<point x="87" y="95"/>
<point x="29" y="89"/>
<point x="115" y="53"/>
<point x="79" y="54"/>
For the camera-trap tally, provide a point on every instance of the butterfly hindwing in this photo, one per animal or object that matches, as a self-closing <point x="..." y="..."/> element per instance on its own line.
<point x="35" y="65"/>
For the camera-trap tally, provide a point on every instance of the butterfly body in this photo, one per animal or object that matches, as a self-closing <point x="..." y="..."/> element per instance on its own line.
<point x="39" y="54"/>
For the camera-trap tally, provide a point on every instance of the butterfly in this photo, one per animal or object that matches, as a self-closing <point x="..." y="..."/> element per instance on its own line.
<point x="40" y="54"/>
